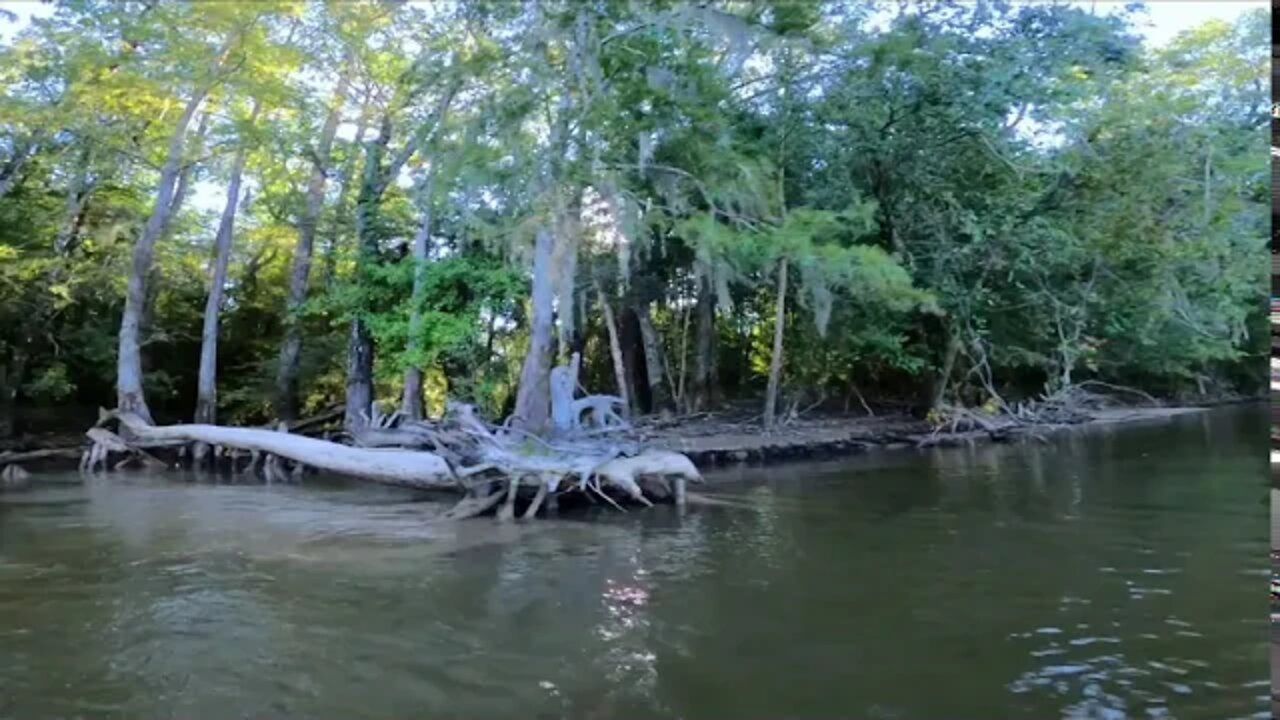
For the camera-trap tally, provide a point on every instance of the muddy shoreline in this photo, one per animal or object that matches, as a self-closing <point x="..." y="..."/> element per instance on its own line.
<point x="837" y="437"/>
<point x="712" y="441"/>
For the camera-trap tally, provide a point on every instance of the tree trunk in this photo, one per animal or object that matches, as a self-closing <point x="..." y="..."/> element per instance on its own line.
<point x="291" y="349"/>
<point x="563" y="383"/>
<point x="533" y="398"/>
<point x="948" y="365"/>
<point x="11" y="171"/>
<point x="409" y="468"/>
<point x="564" y="260"/>
<point x="659" y="394"/>
<point x="411" y="401"/>
<point x="682" y="400"/>
<point x="411" y="404"/>
<point x="775" y="362"/>
<point x="183" y="185"/>
<point x="359" y="394"/>
<point x="615" y="350"/>
<point x="579" y="342"/>
<point x="129" y="393"/>
<point x="17" y="374"/>
<point x="344" y="196"/>
<point x="10" y="380"/>
<point x="77" y="193"/>
<point x="181" y="189"/>
<point x="633" y="358"/>
<point x="705" y="378"/>
<point x="207" y="379"/>
<point x="373" y="184"/>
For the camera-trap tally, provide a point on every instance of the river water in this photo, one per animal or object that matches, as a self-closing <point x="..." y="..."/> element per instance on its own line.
<point x="1112" y="573"/>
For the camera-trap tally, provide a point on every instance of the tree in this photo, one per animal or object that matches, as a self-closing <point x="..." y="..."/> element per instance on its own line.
<point x="781" y="204"/>
<point x="375" y="180"/>
<point x="231" y="28"/>
<point x="206" y="384"/>
<point x="291" y="349"/>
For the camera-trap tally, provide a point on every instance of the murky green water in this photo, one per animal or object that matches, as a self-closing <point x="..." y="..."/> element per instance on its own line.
<point x="1117" y="573"/>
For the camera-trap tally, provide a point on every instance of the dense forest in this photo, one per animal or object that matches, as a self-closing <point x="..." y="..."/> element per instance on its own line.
<point x="787" y="206"/>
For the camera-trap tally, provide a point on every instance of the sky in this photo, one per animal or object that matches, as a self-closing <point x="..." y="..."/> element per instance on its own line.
<point x="1170" y="17"/>
<point x="1166" y="18"/>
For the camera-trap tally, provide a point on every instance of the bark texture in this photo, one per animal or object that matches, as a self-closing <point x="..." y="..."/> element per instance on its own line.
<point x="944" y="376"/>
<point x="533" y="399"/>
<point x="615" y="350"/>
<point x="410" y="468"/>
<point x="359" y="391"/>
<point x="11" y="171"/>
<point x="9" y="379"/>
<point x="207" y="379"/>
<point x="78" y="190"/>
<point x="564" y="380"/>
<point x="373" y="183"/>
<point x="129" y="393"/>
<point x="775" y="360"/>
<point x="342" y="209"/>
<point x="183" y="186"/>
<point x="411" y="403"/>
<point x="287" y="385"/>
<point x="659" y="393"/>
<point x="705" y="375"/>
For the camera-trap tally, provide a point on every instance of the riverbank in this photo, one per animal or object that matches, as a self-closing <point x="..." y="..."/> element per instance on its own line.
<point x="712" y="442"/>
<point x="723" y="439"/>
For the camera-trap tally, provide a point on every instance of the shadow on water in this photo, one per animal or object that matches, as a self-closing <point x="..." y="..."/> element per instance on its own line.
<point x="1111" y="573"/>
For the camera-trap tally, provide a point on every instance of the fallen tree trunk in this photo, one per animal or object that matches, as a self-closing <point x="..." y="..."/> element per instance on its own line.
<point x="106" y="442"/>
<point x="407" y="468"/>
<point x="495" y="466"/>
<point x="61" y="453"/>
<point x="371" y="437"/>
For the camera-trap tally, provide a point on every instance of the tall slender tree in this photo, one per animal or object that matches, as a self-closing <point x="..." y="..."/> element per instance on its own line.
<point x="300" y="272"/>
<point x="207" y="379"/>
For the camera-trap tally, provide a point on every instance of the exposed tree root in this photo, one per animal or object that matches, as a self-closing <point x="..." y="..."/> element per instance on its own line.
<point x="508" y="510"/>
<point x="1070" y="405"/>
<point x="469" y="455"/>
<point x="595" y="488"/>
<point x="473" y="506"/>
<point x="532" y="510"/>
<point x="460" y="452"/>
<point x="1081" y="395"/>
<point x="105" y="442"/>
<point x="623" y="473"/>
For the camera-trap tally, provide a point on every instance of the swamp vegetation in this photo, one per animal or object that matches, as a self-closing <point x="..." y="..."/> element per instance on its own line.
<point x="259" y="214"/>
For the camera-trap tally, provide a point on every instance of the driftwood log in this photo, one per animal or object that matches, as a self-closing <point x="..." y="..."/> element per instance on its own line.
<point x="62" y="453"/>
<point x="408" y="468"/>
<point x="492" y="465"/>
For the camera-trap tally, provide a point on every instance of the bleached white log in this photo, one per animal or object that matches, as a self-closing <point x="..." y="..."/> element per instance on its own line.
<point x="409" y="468"/>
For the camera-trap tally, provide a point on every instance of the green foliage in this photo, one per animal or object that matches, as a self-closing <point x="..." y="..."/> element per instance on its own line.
<point x="51" y="386"/>
<point x="458" y="292"/>
<point x="1025" y="181"/>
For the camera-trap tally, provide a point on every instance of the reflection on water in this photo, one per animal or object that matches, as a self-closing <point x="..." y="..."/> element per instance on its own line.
<point x="1108" y="574"/>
